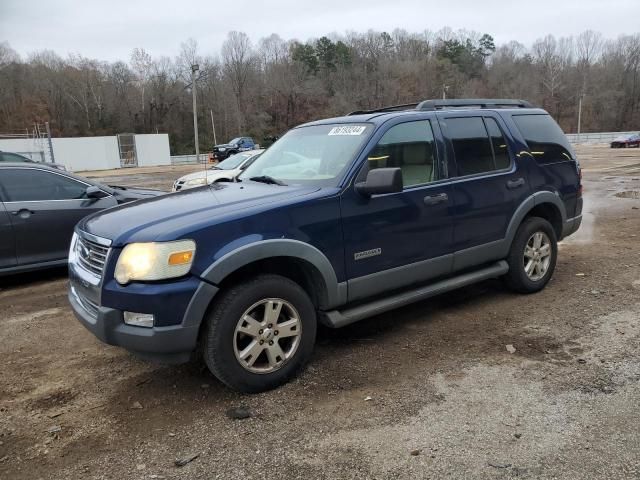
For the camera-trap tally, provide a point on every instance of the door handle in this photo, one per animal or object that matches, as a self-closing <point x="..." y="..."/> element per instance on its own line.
<point x="23" y="213"/>
<point x="518" y="182"/>
<point x="436" y="199"/>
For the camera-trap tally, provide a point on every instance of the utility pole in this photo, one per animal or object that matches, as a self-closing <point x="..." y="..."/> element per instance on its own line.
<point x="580" y="114"/>
<point x="194" y="68"/>
<point x="213" y="126"/>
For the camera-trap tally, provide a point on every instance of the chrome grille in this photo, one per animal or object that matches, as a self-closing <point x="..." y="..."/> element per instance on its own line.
<point x="91" y="255"/>
<point x="90" y="307"/>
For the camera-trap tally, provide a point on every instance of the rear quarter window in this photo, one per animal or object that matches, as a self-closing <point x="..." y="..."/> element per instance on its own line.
<point x="545" y="139"/>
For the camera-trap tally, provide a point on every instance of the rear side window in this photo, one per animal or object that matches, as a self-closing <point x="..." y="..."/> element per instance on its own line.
<point x="545" y="139"/>
<point x="28" y="184"/>
<point x="474" y="147"/>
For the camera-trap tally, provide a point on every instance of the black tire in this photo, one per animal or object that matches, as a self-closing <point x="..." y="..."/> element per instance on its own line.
<point x="219" y="336"/>
<point x="517" y="279"/>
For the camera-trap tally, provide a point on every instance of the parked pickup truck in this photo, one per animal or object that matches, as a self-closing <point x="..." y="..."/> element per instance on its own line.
<point x="240" y="144"/>
<point x="340" y="219"/>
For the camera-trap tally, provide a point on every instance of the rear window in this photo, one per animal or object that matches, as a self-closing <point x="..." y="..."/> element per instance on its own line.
<point x="547" y="143"/>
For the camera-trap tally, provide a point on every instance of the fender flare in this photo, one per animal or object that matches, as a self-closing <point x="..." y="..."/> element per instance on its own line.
<point x="336" y="293"/>
<point x="527" y="205"/>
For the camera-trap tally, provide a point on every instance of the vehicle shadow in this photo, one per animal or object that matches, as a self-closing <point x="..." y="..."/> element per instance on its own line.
<point x="30" y="279"/>
<point x="332" y="345"/>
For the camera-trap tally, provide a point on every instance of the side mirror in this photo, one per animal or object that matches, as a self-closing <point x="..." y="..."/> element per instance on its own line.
<point x="95" y="192"/>
<point x="381" y="180"/>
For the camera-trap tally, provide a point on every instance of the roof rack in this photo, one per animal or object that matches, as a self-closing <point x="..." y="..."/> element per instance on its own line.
<point x="472" y="102"/>
<point x="392" y="108"/>
<point x="430" y="105"/>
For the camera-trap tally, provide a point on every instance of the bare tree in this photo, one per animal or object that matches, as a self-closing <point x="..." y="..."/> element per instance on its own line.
<point x="238" y="60"/>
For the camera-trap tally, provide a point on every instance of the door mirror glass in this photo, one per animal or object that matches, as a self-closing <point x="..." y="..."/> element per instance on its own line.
<point x="381" y="180"/>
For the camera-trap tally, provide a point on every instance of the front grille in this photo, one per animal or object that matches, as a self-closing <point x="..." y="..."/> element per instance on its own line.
<point x="91" y="255"/>
<point x="90" y="307"/>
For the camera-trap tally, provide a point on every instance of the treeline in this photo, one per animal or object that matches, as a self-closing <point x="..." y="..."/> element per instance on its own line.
<point x="263" y="89"/>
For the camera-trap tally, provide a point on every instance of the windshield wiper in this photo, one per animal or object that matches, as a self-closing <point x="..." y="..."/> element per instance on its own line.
<point x="267" y="179"/>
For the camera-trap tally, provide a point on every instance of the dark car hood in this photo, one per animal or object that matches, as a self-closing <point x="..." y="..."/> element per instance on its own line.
<point x="225" y="145"/>
<point x="127" y="194"/>
<point x="169" y="216"/>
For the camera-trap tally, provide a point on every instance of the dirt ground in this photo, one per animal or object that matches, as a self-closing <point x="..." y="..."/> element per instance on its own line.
<point x="427" y="391"/>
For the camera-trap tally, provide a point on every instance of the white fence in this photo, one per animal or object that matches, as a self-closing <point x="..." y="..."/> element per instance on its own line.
<point x="601" y="137"/>
<point x="93" y="153"/>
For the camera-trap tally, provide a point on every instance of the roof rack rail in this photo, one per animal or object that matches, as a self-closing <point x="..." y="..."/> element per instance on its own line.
<point x="472" y="102"/>
<point x="392" y="108"/>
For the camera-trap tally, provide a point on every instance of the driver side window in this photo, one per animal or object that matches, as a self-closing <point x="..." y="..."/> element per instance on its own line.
<point x="30" y="184"/>
<point x="411" y="147"/>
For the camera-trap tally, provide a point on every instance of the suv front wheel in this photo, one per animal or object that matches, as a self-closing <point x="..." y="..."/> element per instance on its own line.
<point x="533" y="255"/>
<point x="260" y="333"/>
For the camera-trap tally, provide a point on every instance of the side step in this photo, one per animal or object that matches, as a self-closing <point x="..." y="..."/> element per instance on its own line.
<point x="337" y="319"/>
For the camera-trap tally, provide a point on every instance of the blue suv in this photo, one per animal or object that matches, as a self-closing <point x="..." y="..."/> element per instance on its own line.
<point x="339" y="220"/>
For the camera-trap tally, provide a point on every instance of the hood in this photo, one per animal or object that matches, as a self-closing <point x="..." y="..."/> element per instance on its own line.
<point x="128" y="194"/>
<point x="211" y="175"/>
<point x="171" y="216"/>
<point x="225" y="145"/>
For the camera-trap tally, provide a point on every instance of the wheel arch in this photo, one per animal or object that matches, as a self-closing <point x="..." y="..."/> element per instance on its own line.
<point x="547" y="205"/>
<point x="299" y="261"/>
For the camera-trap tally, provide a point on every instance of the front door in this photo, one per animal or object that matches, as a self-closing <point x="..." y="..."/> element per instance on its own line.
<point x="393" y="240"/>
<point x="7" y="240"/>
<point x="44" y="208"/>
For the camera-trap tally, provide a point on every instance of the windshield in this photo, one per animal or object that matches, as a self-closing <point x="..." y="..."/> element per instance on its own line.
<point x="234" y="141"/>
<point x="315" y="155"/>
<point x="234" y="161"/>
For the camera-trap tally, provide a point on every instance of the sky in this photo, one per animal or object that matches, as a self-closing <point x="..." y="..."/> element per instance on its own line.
<point x="111" y="29"/>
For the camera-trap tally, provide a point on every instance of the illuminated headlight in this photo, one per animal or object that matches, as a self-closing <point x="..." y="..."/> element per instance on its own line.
<point x="154" y="261"/>
<point x="222" y="149"/>
<point x="195" y="181"/>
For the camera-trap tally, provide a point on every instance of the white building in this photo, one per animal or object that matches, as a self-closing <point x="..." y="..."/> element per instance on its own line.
<point x="95" y="153"/>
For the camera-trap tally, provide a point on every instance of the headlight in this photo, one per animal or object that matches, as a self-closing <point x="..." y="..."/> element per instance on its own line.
<point x="221" y="149"/>
<point x="154" y="261"/>
<point x="195" y="181"/>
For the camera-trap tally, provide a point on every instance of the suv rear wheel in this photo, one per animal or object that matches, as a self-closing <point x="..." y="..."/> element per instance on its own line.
<point x="260" y="333"/>
<point x="533" y="255"/>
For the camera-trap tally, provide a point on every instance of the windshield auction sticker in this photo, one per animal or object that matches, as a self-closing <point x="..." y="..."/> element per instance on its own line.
<point x="348" y="130"/>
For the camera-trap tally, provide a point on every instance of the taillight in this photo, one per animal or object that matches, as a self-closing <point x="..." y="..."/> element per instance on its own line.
<point x="579" y="180"/>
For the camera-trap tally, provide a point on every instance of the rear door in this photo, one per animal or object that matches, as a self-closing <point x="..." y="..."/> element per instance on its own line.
<point x="488" y="185"/>
<point x="7" y="239"/>
<point x="44" y="207"/>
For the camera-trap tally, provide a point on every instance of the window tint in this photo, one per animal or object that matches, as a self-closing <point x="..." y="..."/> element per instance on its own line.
<point x="12" y="157"/>
<point x="409" y="146"/>
<point x="499" y="144"/>
<point x="470" y="145"/>
<point x="544" y="137"/>
<point x="24" y="185"/>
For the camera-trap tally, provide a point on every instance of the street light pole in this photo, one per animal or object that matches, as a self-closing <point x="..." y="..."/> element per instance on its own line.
<point x="194" y="69"/>
<point x="579" y="114"/>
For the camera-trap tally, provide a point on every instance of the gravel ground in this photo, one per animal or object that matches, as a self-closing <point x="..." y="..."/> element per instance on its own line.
<point x="428" y="391"/>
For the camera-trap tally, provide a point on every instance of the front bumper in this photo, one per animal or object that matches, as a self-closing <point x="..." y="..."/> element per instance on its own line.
<point x="170" y="344"/>
<point x="178" y="306"/>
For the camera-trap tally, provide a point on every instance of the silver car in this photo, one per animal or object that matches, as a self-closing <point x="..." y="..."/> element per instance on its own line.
<point x="225" y="171"/>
